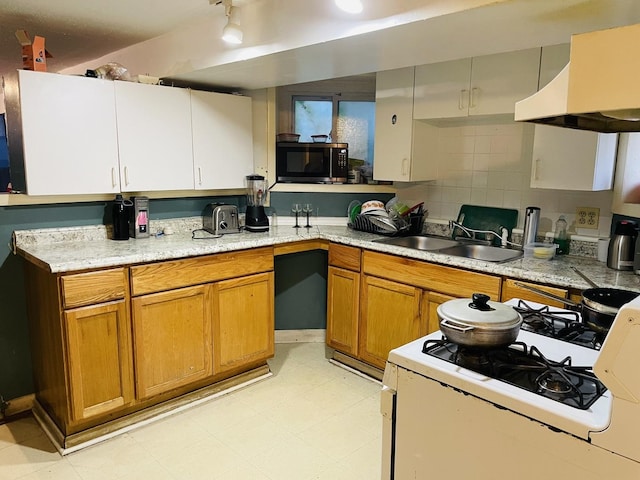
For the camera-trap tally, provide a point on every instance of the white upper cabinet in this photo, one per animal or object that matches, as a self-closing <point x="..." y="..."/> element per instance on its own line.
<point x="222" y="140"/>
<point x="486" y="85"/>
<point x="567" y="159"/>
<point x="401" y="145"/>
<point x="154" y="137"/>
<point x="442" y="89"/>
<point x="67" y="134"/>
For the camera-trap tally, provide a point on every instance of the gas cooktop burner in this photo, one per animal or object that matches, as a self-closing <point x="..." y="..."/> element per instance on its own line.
<point x="556" y="323"/>
<point x="525" y="367"/>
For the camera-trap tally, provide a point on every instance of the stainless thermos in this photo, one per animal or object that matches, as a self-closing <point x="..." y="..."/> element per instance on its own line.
<point x="622" y="246"/>
<point x="531" y="220"/>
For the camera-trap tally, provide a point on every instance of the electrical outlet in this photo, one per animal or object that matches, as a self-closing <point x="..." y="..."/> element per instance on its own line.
<point x="587" y="217"/>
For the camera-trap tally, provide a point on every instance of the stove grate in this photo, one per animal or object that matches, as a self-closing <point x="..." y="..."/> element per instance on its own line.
<point x="524" y="367"/>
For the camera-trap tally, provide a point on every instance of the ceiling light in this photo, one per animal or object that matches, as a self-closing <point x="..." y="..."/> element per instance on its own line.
<point x="350" y="6"/>
<point x="231" y="33"/>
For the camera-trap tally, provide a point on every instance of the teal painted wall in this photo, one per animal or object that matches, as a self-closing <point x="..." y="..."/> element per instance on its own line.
<point x="324" y="204"/>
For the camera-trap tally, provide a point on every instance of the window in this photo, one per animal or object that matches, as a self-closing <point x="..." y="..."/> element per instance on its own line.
<point x="313" y="116"/>
<point x="346" y="119"/>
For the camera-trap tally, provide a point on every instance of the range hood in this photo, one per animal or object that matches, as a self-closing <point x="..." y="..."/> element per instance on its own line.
<point x="598" y="90"/>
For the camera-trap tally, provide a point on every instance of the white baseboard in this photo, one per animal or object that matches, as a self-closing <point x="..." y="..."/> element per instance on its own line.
<point x="312" y="335"/>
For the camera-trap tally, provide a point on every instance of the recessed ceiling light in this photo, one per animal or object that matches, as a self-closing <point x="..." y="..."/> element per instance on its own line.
<point x="350" y="6"/>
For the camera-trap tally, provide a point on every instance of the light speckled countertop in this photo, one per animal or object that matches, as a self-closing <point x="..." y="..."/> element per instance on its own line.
<point x="81" y="248"/>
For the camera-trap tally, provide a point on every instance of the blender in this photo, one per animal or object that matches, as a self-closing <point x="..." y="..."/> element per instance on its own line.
<point x="255" y="218"/>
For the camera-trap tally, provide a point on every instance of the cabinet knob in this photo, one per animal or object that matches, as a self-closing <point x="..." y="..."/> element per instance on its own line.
<point x="394" y="119"/>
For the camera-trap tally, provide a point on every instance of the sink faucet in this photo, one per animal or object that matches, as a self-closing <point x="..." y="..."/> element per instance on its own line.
<point x="471" y="233"/>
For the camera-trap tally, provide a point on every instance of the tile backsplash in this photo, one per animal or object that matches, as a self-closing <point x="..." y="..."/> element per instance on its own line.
<point x="490" y="165"/>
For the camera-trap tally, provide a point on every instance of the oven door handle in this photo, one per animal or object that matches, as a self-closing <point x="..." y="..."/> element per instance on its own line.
<point x="456" y="326"/>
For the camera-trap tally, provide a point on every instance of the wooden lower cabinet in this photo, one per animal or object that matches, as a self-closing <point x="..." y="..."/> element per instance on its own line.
<point x="343" y="301"/>
<point x="98" y="347"/>
<point x="243" y="321"/>
<point x="377" y="302"/>
<point x="433" y="300"/>
<point x="172" y="339"/>
<point x="390" y="317"/>
<point x="115" y="346"/>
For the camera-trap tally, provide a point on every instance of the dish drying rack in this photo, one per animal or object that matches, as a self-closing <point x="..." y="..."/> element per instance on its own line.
<point x="363" y="223"/>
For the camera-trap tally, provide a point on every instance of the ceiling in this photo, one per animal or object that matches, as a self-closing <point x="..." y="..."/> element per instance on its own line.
<point x="79" y="30"/>
<point x="285" y="39"/>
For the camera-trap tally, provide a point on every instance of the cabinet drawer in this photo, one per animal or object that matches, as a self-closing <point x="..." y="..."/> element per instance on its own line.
<point x="438" y="278"/>
<point x="510" y="290"/>
<point x="93" y="287"/>
<point x="344" y="256"/>
<point x="160" y="276"/>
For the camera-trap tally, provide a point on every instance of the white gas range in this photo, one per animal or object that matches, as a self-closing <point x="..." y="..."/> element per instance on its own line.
<point x="446" y="413"/>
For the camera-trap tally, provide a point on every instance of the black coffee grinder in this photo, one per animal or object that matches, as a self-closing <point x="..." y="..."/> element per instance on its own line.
<point x="255" y="218"/>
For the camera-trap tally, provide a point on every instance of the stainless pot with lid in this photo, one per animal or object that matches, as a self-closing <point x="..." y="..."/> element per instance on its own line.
<point x="479" y="322"/>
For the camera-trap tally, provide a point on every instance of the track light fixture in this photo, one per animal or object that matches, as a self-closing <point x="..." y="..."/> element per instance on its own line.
<point x="231" y="33"/>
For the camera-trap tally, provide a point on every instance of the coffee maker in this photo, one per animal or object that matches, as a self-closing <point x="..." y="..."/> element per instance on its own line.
<point x="256" y="218"/>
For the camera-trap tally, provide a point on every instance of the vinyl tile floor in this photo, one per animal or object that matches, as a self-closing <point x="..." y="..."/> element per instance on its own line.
<point x="310" y="420"/>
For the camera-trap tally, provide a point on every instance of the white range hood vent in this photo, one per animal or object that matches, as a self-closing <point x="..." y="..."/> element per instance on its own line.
<point x="598" y="90"/>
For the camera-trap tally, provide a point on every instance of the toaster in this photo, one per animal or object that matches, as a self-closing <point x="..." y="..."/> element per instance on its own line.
<point x="220" y="218"/>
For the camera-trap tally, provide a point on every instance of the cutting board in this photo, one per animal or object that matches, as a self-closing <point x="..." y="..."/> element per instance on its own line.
<point x="478" y="217"/>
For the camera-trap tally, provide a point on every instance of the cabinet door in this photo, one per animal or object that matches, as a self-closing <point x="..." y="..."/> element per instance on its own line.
<point x="243" y="321"/>
<point x="442" y="89"/>
<point x="100" y="364"/>
<point x="390" y="317"/>
<point x="433" y="301"/>
<point x="567" y="159"/>
<point x="499" y="81"/>
<point x="222" y="140"/>
<point x="69" y="134"/>
<point x="394" y="119"/>
<point x="154" y="137"/>
<point x="172" y="339"/>
<point x="343" y="298"/>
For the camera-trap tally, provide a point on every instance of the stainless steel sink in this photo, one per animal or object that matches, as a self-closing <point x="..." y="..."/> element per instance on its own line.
<point x="420" y="242"/>
<point x="454" y="248"/>
<point x="482" y="252"/>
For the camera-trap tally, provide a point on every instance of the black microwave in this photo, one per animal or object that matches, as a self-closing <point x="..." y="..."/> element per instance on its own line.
<point x="312" y="162"/>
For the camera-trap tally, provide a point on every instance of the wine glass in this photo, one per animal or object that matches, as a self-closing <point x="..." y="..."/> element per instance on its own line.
<point x="308" y="208"/>
<point x="296" y="209"/>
